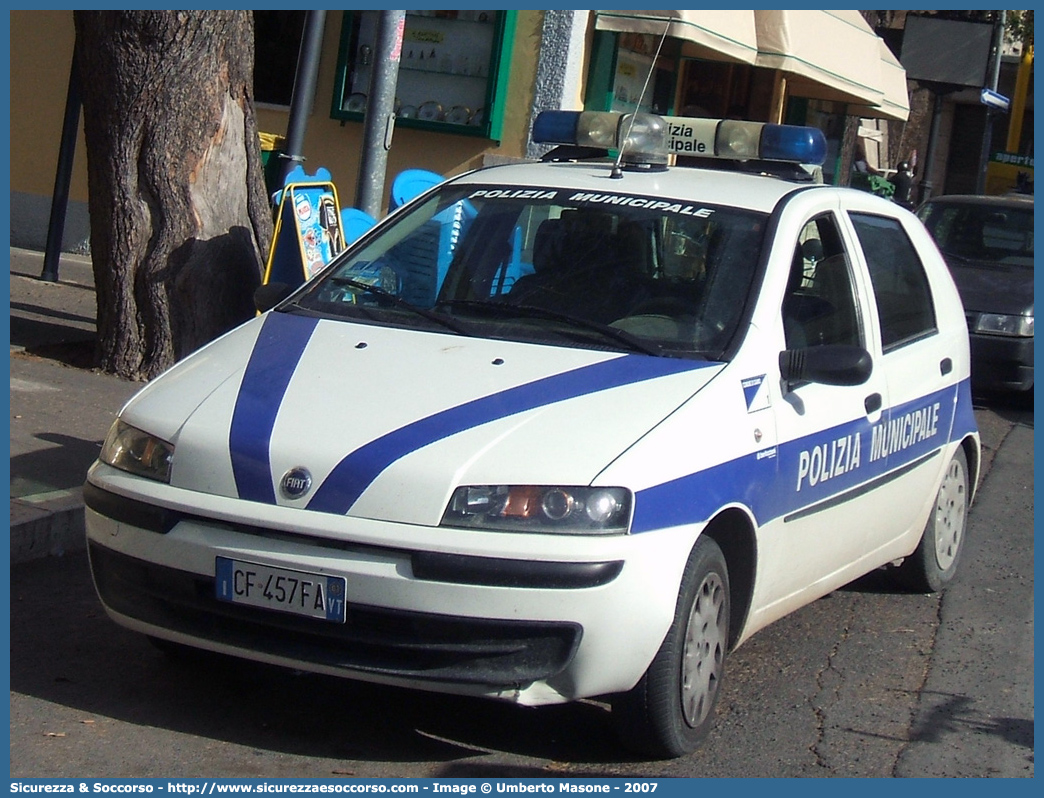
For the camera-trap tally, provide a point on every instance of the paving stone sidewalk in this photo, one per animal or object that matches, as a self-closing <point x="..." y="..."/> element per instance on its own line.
<point x="60" y="409"/>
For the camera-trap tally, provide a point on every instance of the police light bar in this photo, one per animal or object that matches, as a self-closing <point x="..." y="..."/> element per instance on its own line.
<point x="647" y="139"/>
<point x="737" y="140"/>
<point x="640" y="138"/>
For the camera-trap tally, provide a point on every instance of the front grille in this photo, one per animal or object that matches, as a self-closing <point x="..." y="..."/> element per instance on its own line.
<point x="430" y="647"/>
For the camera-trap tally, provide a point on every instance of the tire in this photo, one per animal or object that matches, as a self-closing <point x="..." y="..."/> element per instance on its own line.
<point x="671" y="709"/>
<point x="934" y="564"/>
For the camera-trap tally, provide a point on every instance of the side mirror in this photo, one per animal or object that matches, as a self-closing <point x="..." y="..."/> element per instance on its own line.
<point x="832" y="364"/>
<point x="269" y="295"/>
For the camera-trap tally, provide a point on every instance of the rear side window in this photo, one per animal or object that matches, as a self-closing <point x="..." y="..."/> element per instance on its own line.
<point x="901" y="290"/>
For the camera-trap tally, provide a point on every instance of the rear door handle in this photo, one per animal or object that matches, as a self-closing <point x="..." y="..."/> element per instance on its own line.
<point x="872" y="403"/>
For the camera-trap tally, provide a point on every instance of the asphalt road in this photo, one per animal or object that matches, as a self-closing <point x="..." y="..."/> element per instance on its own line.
<point x="866" y="682"/>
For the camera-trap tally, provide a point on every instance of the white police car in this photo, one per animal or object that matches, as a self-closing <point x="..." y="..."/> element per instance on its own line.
<point x="558" y="430"/>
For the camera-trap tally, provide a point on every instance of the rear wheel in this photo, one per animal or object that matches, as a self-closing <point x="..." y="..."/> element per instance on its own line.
<point x="934" y="564"/>
<point x="671" y="709"/>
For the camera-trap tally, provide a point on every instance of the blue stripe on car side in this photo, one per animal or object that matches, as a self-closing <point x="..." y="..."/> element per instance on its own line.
<point x="277" y="351"/>
<point x="964" y="422"/>
<point x="359" y="469"/>
<point x="770" y="486"/>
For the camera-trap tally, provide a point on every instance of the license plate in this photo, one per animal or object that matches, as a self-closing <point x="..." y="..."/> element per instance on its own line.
<point x="297" y="592"/>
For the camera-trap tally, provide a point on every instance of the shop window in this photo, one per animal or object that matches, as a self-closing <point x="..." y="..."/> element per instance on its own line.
<point x="680" y="85"/>
<point x="721" y="90"/>
<point x="634" y="61"/>
<point x="453" y="72"/>
<point x="277" y="42"/>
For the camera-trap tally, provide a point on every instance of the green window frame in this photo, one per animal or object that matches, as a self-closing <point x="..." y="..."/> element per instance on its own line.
<point x="456" y="60"/>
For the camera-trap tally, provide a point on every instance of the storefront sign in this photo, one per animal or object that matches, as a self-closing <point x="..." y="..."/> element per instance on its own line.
<point x="1013" y="159"/>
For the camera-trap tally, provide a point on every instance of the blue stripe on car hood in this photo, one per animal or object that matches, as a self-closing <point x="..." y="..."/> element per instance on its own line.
<point x="280" y="344"/>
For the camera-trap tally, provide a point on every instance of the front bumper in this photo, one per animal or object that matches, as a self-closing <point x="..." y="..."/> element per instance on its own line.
<point x="580" y="617"/>
<point x="1001" y="363"/>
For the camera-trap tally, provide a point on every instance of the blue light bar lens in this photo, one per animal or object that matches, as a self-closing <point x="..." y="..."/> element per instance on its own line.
<point x="555" y="127"/>
<point x="793" y="143"/>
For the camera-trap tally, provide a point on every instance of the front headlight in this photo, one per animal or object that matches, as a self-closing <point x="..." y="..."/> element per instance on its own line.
<point x="1002" y="324"/>
<point x="138" y="452"/>
<point x="540" y="508"/>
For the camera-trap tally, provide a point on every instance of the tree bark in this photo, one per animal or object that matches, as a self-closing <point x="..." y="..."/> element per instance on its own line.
<point x="180" y="221"/>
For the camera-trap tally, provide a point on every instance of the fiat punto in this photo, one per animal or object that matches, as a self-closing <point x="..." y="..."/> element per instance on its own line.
<point x="560" y="429"/>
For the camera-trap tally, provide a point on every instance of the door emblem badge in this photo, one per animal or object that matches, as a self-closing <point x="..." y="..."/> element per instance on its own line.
<point x="295" y="483"/>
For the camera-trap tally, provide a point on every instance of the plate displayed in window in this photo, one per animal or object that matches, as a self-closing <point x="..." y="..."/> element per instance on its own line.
<point x="458" y="115"/>
<point x="356" y="103"/>
<point x="430" y="111"/>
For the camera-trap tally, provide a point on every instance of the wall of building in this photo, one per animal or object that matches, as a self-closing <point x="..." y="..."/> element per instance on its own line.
<point x="41" y="55"/>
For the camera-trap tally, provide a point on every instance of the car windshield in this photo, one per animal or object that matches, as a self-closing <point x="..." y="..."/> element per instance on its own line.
<point x="986" y="232"/>
<point x="553" y="266"/>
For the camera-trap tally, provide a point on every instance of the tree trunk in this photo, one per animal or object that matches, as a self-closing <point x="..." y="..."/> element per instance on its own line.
<point x="180" y="221"/>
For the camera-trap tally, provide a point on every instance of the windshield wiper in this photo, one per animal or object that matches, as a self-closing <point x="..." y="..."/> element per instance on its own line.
<point x="632" y="342"/>
<point x="956" y="256"/>
<point x="387" y="296"/>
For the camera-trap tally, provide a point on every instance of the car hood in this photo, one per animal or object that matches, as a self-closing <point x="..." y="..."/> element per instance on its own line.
<point x="991" y="287"/>
<point x="385" y="423"/>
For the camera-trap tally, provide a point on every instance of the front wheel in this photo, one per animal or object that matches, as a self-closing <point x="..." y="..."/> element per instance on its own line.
<point x="671" y="709"/>
<point x="934" y="564"/>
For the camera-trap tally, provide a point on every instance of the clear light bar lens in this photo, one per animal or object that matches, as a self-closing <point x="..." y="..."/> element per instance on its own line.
<point x="738" y="140"/>
<point x="597" y="129"/>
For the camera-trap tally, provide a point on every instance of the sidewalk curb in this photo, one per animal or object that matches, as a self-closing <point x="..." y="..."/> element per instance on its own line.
<point x="47" y="525"/>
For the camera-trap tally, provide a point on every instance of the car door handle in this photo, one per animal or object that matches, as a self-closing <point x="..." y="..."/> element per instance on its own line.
<point x="945" y="366"/>
<point x="872" y="403"/>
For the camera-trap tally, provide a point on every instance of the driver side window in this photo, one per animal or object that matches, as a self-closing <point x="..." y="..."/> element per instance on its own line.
<point x="819" y="306"/>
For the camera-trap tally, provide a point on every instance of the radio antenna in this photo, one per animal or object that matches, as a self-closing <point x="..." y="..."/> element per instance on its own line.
<point x="617" y="170"/>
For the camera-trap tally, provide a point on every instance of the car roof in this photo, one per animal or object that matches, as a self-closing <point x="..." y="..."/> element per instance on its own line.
<point x="1001" y="200"/>
<point x="753" y="192"/>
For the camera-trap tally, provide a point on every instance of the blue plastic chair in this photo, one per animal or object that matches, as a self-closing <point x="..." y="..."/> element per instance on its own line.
<point x="354" y="223"/>
<point x="411" y="183"/>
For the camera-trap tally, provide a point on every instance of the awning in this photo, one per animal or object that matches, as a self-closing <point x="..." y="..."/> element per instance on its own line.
<point x="895" y="100"/>
<point x="713" y="35"/>
<point x="827" y="55"/>
<point x="824" y="55"/>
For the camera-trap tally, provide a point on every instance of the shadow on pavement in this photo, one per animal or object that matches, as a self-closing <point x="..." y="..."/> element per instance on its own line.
<point x="57" y="467"/>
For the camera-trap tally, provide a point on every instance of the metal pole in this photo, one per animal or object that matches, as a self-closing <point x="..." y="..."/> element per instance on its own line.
<point x="304" y="90"/>
<point x="380" y="112"/>
<point x="987" y="139"/>
<point x="63" y="176"/>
